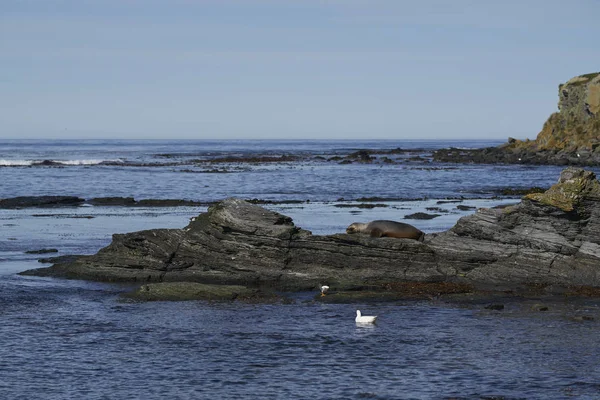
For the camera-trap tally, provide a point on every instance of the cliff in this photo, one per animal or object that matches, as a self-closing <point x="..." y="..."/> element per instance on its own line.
<point x="550" y="239"/>
<point x="570" y="136"/>
<point x="576" y="127"/>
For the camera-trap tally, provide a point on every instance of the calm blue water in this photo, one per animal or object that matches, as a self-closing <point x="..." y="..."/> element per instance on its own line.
<point x="73" y="340"/>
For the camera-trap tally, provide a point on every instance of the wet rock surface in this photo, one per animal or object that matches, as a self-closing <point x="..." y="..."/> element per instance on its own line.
<point x="40" y="201"/>
<point x="551" y="240"/>
<point x="509" y="154"/>
<point x="421" y="215"/>
<point x="112" y="201"/>
<point x="72" y="201"/>
<point x="182" y="291"/>
<point x="41" y="251"/>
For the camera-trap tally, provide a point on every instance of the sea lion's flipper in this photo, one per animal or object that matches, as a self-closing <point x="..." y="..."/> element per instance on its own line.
<point x="376" y="232"/>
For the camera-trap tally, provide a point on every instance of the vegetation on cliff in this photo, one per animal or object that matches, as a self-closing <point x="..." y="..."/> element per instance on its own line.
<point x="576" y="127"/>
<point x="569" y="137"/>
<point x="573" y="186"/>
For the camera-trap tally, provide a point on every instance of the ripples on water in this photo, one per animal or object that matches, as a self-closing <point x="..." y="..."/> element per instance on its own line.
<point x="65" y="339"/>
<point x="76" y="340"/>
<point x="175" y="174"/>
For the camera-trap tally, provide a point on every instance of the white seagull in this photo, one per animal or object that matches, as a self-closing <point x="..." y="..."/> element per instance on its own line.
<point x="324" y="289"/>
<point x="364" y="319"/>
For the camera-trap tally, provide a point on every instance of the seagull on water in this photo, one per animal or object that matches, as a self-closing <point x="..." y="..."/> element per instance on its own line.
<point x="364" y="319"/>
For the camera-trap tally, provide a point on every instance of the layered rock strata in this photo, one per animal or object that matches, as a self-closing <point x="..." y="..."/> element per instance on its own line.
<point x="550" y="238"/>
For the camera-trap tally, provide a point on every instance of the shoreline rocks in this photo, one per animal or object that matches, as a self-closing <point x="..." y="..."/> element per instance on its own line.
<point x="516" y="155"/>
<point x="549" y="240"/>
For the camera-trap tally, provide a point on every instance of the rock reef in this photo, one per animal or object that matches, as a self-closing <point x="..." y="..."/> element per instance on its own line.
<point x="40" y="201"/>
<point x="549" y="239"/>
<point x="570" y="136"/>
<point x="73" y="201"/>
<point x="181" y="291"/>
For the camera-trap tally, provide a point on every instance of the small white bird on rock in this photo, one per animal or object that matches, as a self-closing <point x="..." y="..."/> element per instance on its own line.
<point x="324" y="289"/>
<point x="364" y="319"/>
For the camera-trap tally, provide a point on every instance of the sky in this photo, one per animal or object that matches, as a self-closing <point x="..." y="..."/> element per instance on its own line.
<point x="297" y="69"/>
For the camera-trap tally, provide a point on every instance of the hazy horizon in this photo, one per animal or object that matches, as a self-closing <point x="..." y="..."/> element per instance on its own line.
<point x="267" y="69"/>
<point x="120" y="139"/>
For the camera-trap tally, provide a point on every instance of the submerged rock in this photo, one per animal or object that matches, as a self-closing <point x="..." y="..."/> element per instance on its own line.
<point x="551" y="239"/>
<point x="41" y="251"/>
<point x="167" y="203"/>
<point x="181" y="291"/>
<point x="40" y="201"/>
<point x="421" y="215"/>
<point x="112" y="201"/>
<point x="130" y="201"/>
<point x="463" y="207"/>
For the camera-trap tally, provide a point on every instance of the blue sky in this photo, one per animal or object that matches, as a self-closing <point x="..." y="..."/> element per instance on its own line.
<point x="318" y="69"/>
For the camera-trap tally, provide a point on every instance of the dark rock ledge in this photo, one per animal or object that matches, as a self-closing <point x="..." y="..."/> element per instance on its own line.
<point x="72" y="201"/>
<point x="41" y="201"/>
<point x="181" y="291"/>
<point x="549" y="240"/>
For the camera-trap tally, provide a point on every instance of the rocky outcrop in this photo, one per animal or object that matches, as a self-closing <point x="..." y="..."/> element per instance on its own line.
<point x="41" y="251"/>
<point x="548" y="239"/>
<point x="570" y="136"/>
<point x="40" y="201"/>
<point x="72" y="201"/>
<point x="576" y="127"/>
<point x="181" y="291"/>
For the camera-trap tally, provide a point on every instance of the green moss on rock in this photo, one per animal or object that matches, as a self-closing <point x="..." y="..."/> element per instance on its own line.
<point x="182" y="291"/>
<point x="581" y="79"/>
<point x="573" y="186"/>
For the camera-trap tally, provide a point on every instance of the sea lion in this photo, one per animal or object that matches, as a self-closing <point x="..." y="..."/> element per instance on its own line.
<point x="381" y="228"/>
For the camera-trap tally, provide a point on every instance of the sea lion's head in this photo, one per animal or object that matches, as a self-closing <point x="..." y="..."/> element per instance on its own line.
<point x="355" y="227"/>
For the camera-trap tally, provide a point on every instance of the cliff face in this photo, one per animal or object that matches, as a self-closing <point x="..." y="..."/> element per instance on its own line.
<point x="577" y="124"/>
<point x="570" y="136"/>
<point x="580" y="97"/>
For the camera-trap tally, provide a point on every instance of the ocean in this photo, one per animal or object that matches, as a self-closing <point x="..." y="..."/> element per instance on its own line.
<point x="67" y="339"/>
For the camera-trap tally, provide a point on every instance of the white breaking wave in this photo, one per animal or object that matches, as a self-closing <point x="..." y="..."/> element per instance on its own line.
<point x="82" y="162"/>
<point x="15" y="163"/>
<point x="24" y="163"/>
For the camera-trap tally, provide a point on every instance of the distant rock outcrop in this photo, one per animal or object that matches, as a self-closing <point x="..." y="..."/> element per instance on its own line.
<point x="570" y="136"/>
<point x="40" y="201"/>
<point x="550" y="238"/>
<point x="72" y="201"/>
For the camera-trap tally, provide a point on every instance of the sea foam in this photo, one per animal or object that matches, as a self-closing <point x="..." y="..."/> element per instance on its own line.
<point x="24" y="163"/>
